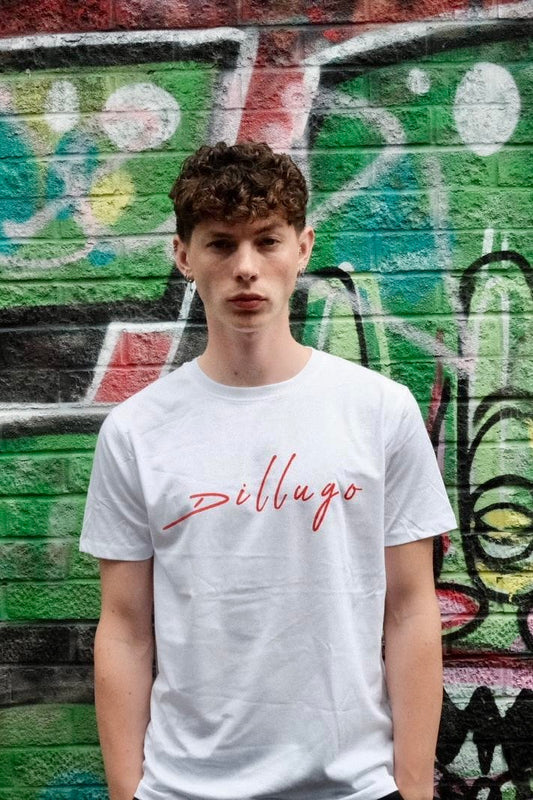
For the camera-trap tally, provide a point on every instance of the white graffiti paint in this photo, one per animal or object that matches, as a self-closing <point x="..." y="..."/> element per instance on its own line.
<point x="394" y="138"/>
<point x="98" y="39"/>
<point x="425" y="341"/>
<point x="30" y="227"/>
<point x="439" y="209"/>
<point x="486" y="108"/>
<point x="418" y="81"/>
<point x="488" y="241"/>
<point x="140" y="116"/>
<point x="6" y="100"/>
<point x="179" y="327"/>
<point x="62" y="107"/>
<point x="234" y="87"/>
<point x="46" y="263"/>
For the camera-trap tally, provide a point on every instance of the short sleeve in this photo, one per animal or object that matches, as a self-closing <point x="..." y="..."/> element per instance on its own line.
<point x="115" y="524"/>
<point x="416" y="503"/>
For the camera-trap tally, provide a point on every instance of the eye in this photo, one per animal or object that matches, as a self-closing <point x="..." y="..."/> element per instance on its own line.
<point x="269" y="241"/>
<point x="220" y="244"/>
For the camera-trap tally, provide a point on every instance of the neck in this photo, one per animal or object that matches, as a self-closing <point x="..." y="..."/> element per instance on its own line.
<point x="252" y="359"/>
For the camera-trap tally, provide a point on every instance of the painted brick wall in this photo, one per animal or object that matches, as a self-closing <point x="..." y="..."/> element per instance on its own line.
<point x="414" y="123"/>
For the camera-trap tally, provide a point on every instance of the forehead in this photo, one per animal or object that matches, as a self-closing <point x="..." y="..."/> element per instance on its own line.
<point x="249" y="227"/>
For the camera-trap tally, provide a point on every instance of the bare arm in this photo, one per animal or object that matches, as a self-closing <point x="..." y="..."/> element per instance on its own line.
<point x="123" y="658"/>
<point x="413" y="662"/>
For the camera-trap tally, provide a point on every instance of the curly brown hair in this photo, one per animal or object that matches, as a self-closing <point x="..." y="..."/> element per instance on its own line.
<point x="243" y="181"/>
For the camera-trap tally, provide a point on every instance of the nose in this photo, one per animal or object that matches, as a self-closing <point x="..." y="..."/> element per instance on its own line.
<point x="245" y="264"/>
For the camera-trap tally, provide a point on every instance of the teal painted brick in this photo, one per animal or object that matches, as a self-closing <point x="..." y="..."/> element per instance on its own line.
<point x="67" y="766"/>
<point x="16" y="175"/>
<point x="373" y="211"/>
<point x="332" y="250"/>
<point x="64" y="600"/>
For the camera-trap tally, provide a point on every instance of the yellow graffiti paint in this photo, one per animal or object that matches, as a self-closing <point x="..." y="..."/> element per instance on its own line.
<point x="502" y="519"/>
<point x="508" y="584"/>
<point x="110" y="195"/>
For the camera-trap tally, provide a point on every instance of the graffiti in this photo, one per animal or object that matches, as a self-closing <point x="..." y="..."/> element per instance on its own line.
<point x="414" y="135"/>
<point x="485" y="743"/>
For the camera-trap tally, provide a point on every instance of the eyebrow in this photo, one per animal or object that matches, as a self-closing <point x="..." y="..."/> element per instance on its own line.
<point x="271" y="227"/>
<point x="228" y="235"/>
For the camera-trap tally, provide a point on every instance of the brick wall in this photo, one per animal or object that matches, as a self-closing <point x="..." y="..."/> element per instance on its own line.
<point x="413" y="122"/>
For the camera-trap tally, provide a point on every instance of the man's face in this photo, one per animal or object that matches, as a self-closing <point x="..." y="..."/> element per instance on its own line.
<point x="245" y="272"/>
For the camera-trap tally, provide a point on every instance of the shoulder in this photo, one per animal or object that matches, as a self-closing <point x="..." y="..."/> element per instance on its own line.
<point x="366" y="383"/>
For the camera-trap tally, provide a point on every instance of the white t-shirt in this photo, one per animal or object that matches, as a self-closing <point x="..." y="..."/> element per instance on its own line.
<point x="267" y="510"/>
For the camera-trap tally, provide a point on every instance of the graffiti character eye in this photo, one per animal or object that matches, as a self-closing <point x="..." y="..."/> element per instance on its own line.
<point x="505" y="532"/>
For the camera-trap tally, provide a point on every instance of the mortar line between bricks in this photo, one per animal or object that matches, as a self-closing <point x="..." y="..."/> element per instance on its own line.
<point x="45" y="455"/>
<point x="60" y="622"/>
<point x="407" y="148"/>
<point x="389" y="233"/>
<point x="49" y="498"/>
<point x="502" y="188"/>
<point x="44" y="451"/>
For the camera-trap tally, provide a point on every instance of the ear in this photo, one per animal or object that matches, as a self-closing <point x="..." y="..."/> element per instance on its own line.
<point x="181" y="257"/>
<point x="306" y="241"/>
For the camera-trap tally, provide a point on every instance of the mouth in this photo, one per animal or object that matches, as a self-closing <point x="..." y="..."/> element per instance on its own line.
<point x="247" y="301"/>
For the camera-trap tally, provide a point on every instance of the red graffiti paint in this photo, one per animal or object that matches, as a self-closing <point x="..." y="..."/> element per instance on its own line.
<point x="457" y="608"/>
<point x="137" y="360"/>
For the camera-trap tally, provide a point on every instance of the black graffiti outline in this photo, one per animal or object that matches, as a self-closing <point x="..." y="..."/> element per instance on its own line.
<point x="468" y="498"/>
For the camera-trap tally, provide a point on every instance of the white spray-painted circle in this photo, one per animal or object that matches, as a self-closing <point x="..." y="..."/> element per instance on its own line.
<point x="140" y="116"/>
<point x="62" y="107"/>
<point x="418" y="81"/>
<point x="486" y="108"/>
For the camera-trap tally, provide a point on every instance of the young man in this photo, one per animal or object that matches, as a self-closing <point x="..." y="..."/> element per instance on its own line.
<point x="274" y="505"/>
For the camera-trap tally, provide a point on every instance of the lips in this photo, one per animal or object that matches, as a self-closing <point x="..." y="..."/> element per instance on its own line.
<point x="247" y="301"/>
